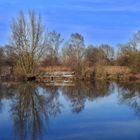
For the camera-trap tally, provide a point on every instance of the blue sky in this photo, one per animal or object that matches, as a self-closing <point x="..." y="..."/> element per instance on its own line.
<point x="99" y="21"/>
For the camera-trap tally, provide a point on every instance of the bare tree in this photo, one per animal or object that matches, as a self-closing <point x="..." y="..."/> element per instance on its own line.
<point x="1" y="58"/>
<point x="73" y="50"/>
<point x="94" y="56"/>
<point x="54" y="41"/>
<point x="135" y="41"/>
<point x="10" y="56"/>
<point x="28" y="38"/>
<point x="108" y="50"/>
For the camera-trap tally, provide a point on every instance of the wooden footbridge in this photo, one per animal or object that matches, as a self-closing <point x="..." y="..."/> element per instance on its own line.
<point x="57" y="77"/>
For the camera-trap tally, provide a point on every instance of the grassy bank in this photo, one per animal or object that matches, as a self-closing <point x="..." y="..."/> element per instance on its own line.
<point x="110" y="73"/>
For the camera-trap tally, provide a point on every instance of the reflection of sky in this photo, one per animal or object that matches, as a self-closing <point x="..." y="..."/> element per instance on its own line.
<point x="98" y="20"/>
<point x="102" y="119"/>
<point x="6" y="129"/>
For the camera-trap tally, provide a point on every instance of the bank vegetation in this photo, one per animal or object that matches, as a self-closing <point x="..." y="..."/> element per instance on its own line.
<point x="33" y="49"/>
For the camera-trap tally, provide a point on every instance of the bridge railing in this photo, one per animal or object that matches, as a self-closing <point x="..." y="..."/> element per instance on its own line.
<point x="58" y="74"/>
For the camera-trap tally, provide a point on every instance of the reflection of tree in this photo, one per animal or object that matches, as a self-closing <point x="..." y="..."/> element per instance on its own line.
<point x="32" y="105"/>
<point x="129" y="93"/>
<point x="6" y="92"/>
<point x="83" y="91"/>
<point x="30" y="109"/>
<point x="53" y="104"/>
<point x="76" y="97"/>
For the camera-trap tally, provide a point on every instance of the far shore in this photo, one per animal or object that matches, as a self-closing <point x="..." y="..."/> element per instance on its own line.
<point x="106" y="73"/>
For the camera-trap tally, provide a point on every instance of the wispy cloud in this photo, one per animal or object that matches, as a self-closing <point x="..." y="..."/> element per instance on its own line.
<point x="98" y="5"/>
<point x="111" y="20"/>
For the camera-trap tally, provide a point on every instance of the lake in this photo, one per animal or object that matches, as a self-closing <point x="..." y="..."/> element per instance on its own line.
<point x="83" y="111"/>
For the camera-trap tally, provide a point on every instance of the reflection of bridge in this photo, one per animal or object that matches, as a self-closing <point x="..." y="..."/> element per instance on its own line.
<point x="57" y="77"/>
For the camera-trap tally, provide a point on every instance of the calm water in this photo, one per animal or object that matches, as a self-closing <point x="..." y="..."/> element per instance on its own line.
<point x="98" y="111"/>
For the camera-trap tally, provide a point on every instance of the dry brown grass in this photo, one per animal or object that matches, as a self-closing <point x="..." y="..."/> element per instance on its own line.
<point x="116" y="70"/>
<point x="99" y="69"/>
<point x="109" y="69"/>
<point x="103" y="71"/>
<point x="55" y="68"/>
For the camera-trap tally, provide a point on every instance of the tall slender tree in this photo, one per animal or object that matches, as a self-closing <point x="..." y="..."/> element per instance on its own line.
<point x="28" y="38"/>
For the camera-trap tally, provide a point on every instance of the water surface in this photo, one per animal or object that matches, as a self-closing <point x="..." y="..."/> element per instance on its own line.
<point x="86" y="111"/>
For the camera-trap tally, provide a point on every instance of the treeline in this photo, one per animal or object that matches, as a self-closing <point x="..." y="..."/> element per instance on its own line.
<point x="32" y="46"/>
